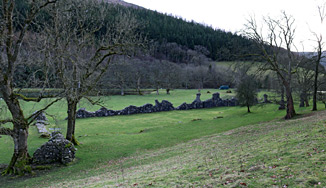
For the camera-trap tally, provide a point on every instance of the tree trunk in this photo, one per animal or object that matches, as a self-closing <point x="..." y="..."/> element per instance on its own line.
<point x="157" y="91"/>
<point x="314" y="100"/>
<point x="290" y="112"/>
<point x="20" y="160"/>
<point x="248" y="108"/>
<point x="72" y="109"/>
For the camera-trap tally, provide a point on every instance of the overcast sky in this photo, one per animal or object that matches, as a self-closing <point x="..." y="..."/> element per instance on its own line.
<point x="231" y="15"/>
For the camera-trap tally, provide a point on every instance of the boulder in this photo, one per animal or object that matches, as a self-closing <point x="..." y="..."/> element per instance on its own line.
<point x="57" y="149"/>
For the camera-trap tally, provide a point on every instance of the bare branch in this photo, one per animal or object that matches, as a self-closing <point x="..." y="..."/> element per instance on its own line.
<point x="6" y="121"/>
<point x="32" y="117"/>
<point x="6" y="131"/>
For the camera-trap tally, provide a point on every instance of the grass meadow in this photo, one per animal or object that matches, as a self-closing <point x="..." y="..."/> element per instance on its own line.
<point x="176" y="149"/>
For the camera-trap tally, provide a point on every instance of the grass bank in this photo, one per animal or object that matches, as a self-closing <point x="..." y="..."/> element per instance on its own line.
<point x="108" y="141"/>
<point x="273" y="154"/>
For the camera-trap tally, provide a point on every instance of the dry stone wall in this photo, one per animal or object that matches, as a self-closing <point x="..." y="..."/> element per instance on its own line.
<point x="165" y="105"/>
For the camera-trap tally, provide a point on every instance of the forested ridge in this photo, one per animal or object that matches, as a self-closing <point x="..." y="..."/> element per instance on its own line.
<point x="163" y="29"/>
<point x="222" y="45"/>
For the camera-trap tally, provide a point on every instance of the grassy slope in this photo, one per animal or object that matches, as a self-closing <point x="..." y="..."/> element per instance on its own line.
<point x="277" y="153"/>
<point x="109" y="139"/>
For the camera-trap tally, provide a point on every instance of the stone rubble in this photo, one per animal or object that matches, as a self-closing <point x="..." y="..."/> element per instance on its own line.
<point x="57" y="149"/>
<point x="40" y="122"/>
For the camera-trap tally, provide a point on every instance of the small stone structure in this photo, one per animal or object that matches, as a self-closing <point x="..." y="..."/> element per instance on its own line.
<point x="165" y="105"/>
<point x="57" y="149"/>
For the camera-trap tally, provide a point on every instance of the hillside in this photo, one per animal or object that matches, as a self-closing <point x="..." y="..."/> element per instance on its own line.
<point x="166" y="29"/>
<point x="277" y="153"/>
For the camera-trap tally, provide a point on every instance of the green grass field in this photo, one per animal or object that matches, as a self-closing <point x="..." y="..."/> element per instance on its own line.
<point x="112" y="146"/>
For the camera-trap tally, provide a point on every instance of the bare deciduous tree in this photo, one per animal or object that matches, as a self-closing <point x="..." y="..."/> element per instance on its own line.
<point x="276" y="50"/>
<point x="81" y="47"/>
<point x="319" y="49"/>
<point x="13" y="33"/>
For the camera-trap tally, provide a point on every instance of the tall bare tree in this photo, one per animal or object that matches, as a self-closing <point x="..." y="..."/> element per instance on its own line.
<point x="81" y="47"/>
<point x="14" y="26"/>
<point x="319" y="49"/>
<point x="276" y="49"/>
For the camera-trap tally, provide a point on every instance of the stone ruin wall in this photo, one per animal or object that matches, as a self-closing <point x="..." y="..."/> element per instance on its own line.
<point x="165" y="105"/>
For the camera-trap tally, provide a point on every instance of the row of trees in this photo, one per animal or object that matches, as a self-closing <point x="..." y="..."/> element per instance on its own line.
<point x="277" y="49"/>
<point x="125" y="73"/>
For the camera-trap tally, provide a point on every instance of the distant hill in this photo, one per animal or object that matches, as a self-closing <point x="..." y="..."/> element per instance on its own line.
<point x="163" y="28"/>
<point x="166" y="31"/>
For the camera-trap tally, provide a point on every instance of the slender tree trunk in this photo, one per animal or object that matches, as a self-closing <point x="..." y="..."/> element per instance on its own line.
<point x="290" y="112"/>
<point x="157" y="91"/>
<point x="72" y="109"/>
<point x="314" y="99"/>
<point x="248" y="108"/>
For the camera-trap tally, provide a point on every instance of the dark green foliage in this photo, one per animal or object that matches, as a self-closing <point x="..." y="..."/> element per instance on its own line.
<point x="221" y="45"/>
<point x="246" y="91"/>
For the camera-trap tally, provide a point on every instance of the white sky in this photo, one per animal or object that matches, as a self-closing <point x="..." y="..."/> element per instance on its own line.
<point x="231" y="15"/>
